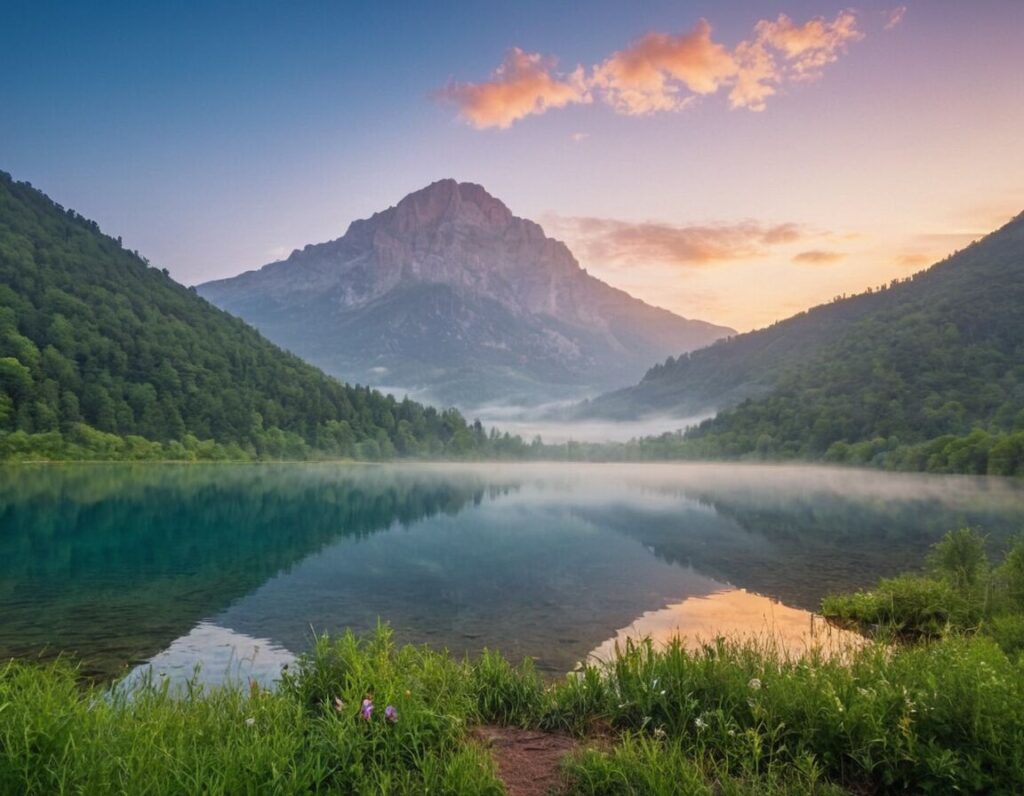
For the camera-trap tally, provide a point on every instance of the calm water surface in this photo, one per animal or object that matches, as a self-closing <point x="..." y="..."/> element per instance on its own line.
<point x="235" y="565"/>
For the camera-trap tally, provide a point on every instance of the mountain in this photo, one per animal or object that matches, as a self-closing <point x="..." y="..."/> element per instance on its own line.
<point x="926" y="373"/>
<point x="449" y="293"/>
<point x="102" y="356"/>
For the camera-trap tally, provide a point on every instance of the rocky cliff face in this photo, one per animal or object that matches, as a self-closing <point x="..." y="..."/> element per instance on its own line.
<point x="449" y="293"/>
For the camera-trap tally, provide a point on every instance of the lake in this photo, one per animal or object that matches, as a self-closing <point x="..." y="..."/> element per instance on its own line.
<point x="235" y="566"/>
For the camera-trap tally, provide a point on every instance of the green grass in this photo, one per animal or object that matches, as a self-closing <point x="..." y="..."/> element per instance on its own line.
<point x="729" y="718"/>
<point x="960" y="592"/>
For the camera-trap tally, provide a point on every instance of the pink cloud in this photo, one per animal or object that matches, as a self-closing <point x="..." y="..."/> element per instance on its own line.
<point x="649" y="74"/>
<point x="818" y="257"/>
<point x="525" y="84"/>
<point x="806" y="49"/>
<point x="617" y="242"/>
<point x="894" y="16"/>
<point x="662" y="72"/>
<point x="782" y="50"/>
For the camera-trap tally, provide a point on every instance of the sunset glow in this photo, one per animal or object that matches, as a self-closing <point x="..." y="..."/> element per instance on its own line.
<point x="728" y="161"/>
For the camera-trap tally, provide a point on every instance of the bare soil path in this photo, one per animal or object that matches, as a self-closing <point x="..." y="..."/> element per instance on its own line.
<point x="528" y="760"/>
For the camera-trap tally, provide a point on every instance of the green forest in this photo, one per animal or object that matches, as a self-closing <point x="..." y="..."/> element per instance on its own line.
<point x="930" y="378"/>
<point x="103" y="356"/>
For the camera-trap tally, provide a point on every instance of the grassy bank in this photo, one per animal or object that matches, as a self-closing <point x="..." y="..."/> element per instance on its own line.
<point x="730" y="718"/>
<point x="960" y="590"/>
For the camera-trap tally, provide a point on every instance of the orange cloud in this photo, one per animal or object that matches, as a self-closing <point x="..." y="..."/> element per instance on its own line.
<point x="662" y="72"/>
<point x="782" y="50"/>
<point x="818" y="257"/>
<point x="914" y="260"/>
<point x="616" y="242"/>
<point x="525" y="84"/>
<point x="647" y="76"/>
<point x="808" y="48"/>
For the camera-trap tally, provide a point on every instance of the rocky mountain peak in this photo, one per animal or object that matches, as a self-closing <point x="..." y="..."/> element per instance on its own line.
<point x="442" y="203"/>
<point x="448" y="290"/>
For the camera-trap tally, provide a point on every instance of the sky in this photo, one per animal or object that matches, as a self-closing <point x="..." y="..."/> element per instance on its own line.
<point x="731" y="161"/>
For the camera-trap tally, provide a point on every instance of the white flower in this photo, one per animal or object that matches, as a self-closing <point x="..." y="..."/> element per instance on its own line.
<point x="250" y="721"/>
<point x="754" y="684"/>
<point x="660" y="732"/>
<point x="699" y="723"/>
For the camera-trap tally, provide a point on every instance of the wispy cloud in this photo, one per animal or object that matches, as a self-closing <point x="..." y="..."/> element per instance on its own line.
<point x="524" y="84"/>
<point x="914" y="259"/>
<point x="894" y="16"/>
<point x="661" y="72"/>
<point x="622" y="243"/>
<point x="818" y="257"/>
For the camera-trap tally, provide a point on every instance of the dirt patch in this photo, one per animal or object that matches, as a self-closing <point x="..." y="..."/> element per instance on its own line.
<point x="528" y="761"/>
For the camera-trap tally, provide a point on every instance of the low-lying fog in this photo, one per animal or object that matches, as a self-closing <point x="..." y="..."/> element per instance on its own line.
<point x="528" y="422"/>
<point x="547" y="421"/>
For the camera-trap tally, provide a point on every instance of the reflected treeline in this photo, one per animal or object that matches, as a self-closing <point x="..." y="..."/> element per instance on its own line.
<point x="142" y="553"/>
<point x="799" y="546"/>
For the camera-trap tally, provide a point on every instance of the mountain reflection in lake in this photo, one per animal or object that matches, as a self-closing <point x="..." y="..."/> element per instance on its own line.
<point x="117" y="563"/>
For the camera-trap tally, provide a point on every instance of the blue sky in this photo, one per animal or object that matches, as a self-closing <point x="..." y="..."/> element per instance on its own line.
<point x="215" y="137"/>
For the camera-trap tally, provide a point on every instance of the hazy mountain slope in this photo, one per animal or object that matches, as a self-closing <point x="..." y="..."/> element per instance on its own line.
<point x="931" y="379"/>
<point x="91" y="338"/>
<point x="449" y="292"/>
<point x="985" y="276"/>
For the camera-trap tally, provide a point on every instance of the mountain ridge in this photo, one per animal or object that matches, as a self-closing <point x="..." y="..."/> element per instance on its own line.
<point x="926" y="373"/>
<point x="518" y="309"/>
<point x="748" y="365"/>
<point x="103" y="356"/>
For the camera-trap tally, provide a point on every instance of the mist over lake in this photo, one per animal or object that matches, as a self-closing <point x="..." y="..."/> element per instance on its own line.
<point x="120" y="564"/>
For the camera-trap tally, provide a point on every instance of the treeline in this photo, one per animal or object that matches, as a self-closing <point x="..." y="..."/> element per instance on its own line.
<point x="934" y="382"/>
<point x="102" y="356"/>
<point x="81" y="442"/>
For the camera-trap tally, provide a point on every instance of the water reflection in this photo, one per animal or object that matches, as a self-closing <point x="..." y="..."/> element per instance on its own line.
<point x="116" y="562"/>
<point x="734" y="614"/>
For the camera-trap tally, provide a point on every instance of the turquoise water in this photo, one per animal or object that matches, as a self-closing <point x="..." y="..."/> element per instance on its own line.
<point x="236" y="565"/>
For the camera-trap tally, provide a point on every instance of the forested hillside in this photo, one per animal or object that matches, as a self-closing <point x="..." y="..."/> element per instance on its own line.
<point x="103" y="356"/>
<point x="932" y="378"/>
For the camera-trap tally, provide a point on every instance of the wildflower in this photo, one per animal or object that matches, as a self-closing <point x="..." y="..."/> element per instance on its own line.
<point x="408" y="693"/>
<point x="338" y="704"/>
<point x="699" y="723"/>
<point x="366" y="711"/>
<point x="660" y="732"/>
<point x="391" y="714"/>
<point x="250" y="721"/>
<point x="754" y="684"/>
<point x="662" y="692"/>
<point x="732" y="733"/>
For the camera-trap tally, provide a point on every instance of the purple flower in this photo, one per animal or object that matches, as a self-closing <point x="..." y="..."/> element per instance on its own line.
<point x="391" y="714"/>
<point x="366" y="711"/>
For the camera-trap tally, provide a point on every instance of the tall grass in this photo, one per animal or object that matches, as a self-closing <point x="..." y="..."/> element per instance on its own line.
<point x="56" y="737"/>
<point x="732" y="717"/>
